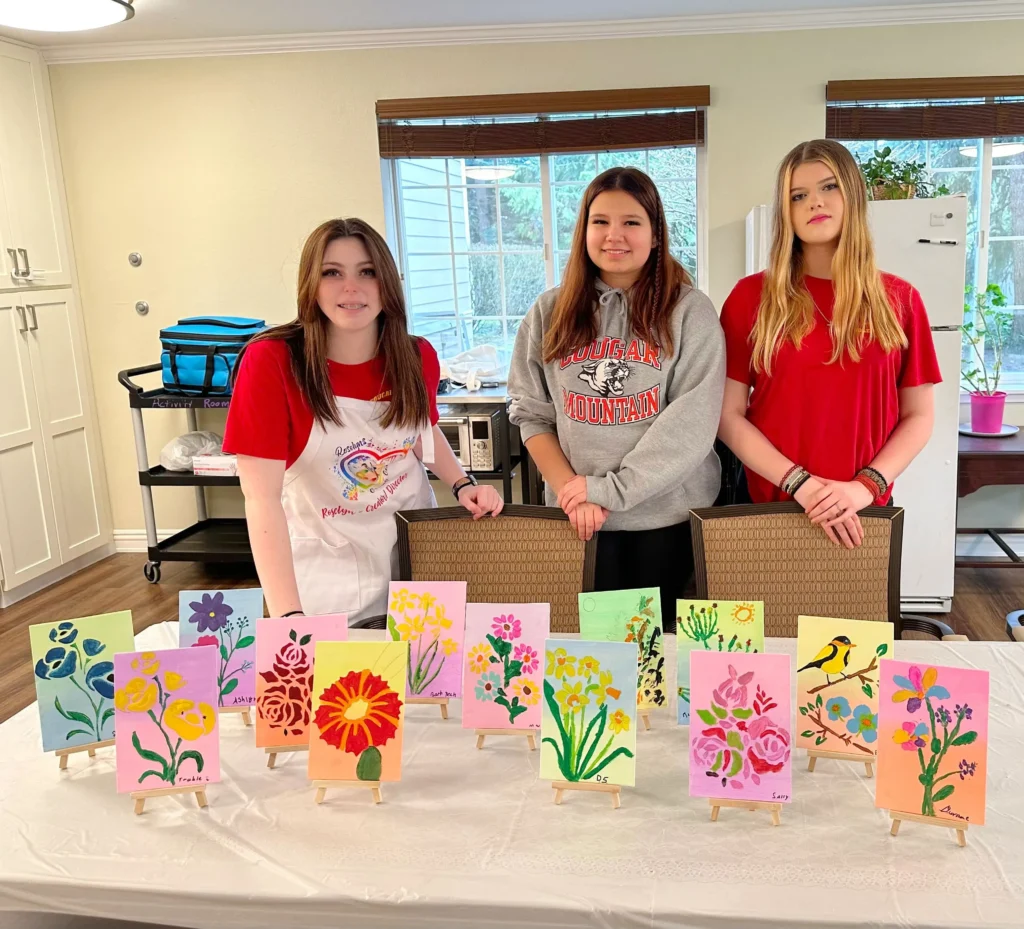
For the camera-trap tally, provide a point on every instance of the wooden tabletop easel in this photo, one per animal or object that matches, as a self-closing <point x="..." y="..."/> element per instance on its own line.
<point x="614" y="789"/>
<point x="243" y="710"/>
<point x="531" y="736"/>
<point x="274" y="750"/>
<point x="753" y="805"/>
<point x="323" y="786"/>
<point x="141" y="796"/>
<point x="813" y="755"/>
<point x="432" y="701"/>
<point x="62" y="753"/>
<point x="961" y="827"/>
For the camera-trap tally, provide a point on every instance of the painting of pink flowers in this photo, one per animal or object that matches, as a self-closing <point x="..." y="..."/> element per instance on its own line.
<point x="741" y="744"/>
<point x="502" y="675"/>
<point x="933" y="740"/>
<point x="225" y="620"/>
<point x="284" y="674"/>
<point x="431" y="617"/>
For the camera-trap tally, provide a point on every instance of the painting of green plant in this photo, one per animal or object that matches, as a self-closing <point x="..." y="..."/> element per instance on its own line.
<point x="630" y="616"/>
<point x="588" y="722"/>
<point x="713" y="626"/>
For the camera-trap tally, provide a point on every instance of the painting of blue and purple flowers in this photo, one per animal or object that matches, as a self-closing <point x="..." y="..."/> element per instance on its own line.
<point x="73" y="664"/>
<point x="225" y="620"/>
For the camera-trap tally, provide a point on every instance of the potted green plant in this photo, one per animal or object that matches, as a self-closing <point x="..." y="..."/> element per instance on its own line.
<point x="987" y="325"/>
<point x="888" y="178"/>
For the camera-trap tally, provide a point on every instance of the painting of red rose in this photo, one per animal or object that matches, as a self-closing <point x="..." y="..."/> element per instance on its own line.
<point x="284" y="675"/>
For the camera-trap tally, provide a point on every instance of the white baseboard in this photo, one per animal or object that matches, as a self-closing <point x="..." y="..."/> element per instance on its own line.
<point x="10" y="597"/>
<point x="134" y="540"/>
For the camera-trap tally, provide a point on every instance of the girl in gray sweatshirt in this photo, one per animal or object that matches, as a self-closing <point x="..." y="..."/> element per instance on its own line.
<point x="616" y="384"/>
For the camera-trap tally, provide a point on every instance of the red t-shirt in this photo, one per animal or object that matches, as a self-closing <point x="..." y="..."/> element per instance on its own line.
<point x="268" y="416"/>
<point x="831" y="418"/>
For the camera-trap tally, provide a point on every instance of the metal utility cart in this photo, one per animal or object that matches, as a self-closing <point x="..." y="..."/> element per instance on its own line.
<point x="207" y="540"/>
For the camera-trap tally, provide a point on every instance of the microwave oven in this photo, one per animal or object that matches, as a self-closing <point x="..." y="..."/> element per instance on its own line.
<point x="474" y="435"/>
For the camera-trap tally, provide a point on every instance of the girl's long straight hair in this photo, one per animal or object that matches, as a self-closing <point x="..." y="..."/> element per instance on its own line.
<point x="307" y="334"/>
<point x="862" y="312"/>
<point x="651" y="299"/>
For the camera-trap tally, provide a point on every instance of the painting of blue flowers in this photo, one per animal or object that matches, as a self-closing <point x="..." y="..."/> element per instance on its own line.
<point x="73" y="663"/>
<point x="225" y="620"/>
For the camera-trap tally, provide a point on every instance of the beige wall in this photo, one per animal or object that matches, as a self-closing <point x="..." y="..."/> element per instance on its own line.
<point x="215" y="169"/>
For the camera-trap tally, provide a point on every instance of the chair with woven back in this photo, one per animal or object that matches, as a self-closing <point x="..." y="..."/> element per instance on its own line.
<point x="528" y="554"/>
<point x="772" y="552"/>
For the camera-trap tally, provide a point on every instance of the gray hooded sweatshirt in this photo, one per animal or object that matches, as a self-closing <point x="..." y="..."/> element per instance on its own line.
<point x="638" y="422"/>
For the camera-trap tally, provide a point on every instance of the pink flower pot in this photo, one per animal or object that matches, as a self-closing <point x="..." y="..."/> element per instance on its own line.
<point x="987" y="412"/>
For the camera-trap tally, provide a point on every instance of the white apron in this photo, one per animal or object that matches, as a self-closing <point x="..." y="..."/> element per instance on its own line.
<point x="340" y="498"/>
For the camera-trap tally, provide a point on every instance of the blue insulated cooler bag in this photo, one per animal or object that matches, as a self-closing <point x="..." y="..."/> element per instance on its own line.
<point x="199" y="353"/>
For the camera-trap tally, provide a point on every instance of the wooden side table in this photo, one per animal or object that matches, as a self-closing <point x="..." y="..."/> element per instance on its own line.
<point x="983" y="463"/>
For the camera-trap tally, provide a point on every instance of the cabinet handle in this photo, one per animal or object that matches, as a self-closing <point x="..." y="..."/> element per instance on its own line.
<point x="13" y="252"/>
<point x="35" y="319"/>
<point x="24" y="322"/>
<point x="28" y="267"/>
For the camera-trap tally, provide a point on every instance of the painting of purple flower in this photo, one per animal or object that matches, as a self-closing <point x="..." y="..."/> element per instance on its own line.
<point x="211" y="613"/>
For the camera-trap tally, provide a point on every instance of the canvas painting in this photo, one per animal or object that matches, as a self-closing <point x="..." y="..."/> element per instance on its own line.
<point x="837" y="683"/>
<point x="740" y="739"/>
<point x="713" y="626"/>
<point x="431" y="617"/>
<point x="630" y="616"/>
<point x="933" y="741"/>
<point x="225" y="620"/>
<point x="284" y="674"/>
<point x="74" y="676"/>
<point x="166" y="713"/>
<point x="358" y="696"/>
<point x="503" y="670"/>
<point x="588" y="724"/>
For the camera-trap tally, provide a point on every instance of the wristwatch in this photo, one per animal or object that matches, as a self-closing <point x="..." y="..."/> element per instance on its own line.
<point x="467" y="481"/>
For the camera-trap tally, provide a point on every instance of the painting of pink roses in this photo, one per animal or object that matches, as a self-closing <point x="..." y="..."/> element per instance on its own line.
<point x="741" y="744"/>
<point x="284" y="674"/>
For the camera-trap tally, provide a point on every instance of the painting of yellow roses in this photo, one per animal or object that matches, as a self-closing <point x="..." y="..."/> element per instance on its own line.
<point x="588" y="721"/>
<point x="165" y="716"/>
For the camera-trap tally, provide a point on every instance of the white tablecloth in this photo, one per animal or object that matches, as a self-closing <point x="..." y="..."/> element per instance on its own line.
<point x="472" y="838"/>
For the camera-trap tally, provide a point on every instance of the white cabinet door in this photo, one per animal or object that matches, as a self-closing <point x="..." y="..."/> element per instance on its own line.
<point x="28" y="535"/>
<point x="28" y="171"/>
<point x="68" y="428"/>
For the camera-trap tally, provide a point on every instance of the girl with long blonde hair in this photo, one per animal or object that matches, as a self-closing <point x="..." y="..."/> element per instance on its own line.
<point x="830" y="365"/>
<point x="332" y="417"/>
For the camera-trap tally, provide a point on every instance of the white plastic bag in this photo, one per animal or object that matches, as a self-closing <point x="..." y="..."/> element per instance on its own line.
<point x="478" y="365"/>
<point x="177" y="454"/>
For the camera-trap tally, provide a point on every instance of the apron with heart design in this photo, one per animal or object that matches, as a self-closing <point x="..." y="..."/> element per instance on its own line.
<point x="340" y="498"/>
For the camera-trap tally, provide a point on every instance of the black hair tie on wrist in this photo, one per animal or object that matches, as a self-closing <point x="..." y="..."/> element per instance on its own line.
<point x="293" y="613"/>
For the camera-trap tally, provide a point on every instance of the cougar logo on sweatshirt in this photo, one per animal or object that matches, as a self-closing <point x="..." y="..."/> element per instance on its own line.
<point x="606" y="377"/>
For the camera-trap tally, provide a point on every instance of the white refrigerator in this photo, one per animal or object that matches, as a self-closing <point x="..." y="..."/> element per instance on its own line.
<point x="924" y="242"/>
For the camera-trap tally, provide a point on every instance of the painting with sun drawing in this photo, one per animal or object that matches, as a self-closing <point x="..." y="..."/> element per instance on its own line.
<point x="837" y="683"/>
<point x="713" y="626"/>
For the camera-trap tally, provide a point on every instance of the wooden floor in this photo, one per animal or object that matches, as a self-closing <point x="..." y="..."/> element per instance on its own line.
<point x="983" y="598"/>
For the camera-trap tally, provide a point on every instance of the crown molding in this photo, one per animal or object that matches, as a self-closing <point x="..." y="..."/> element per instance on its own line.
<point x="780" y="21"/>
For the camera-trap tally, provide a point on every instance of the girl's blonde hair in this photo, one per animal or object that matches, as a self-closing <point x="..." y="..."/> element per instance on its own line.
<point x="862" y="310"/>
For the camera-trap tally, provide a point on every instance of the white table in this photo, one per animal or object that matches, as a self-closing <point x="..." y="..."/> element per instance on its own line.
<point x="472" y="839"/>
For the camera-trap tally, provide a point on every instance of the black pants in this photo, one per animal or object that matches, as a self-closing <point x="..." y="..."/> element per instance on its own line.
<point x="661" y="558"/>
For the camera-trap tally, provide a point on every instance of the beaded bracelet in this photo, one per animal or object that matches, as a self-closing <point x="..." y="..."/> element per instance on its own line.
<point x="798" y="483"/>
<point x="794" y="480"/>
<point x="877" y="478"/>
<point x="787" y="476"/>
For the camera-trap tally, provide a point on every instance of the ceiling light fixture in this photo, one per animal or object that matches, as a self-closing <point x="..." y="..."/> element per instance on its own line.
<point x="63" y="15"/>
<point x="490" y="172"/>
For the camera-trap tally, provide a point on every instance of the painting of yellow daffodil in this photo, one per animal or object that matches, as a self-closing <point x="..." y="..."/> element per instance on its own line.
<point x="165" y="715"/>
<point x="431" y="617"/>
<point x="588" y="724"/>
